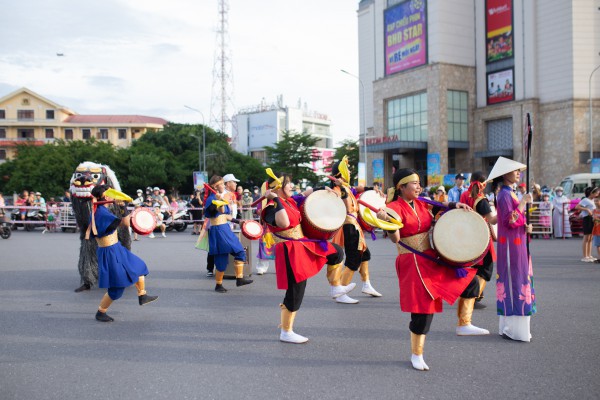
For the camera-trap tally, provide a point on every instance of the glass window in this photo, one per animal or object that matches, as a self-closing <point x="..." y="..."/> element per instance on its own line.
<point x="407" y="118"/>
<point x="122" y="133"/>
<point x="2" y="114"/>
<point x="69" y="134"/>
<point x="103" y="133"/>
<point x="86" y="133"/>
<point x="2" y="133"/>
<point x="49" y="114"/>
<point x="24" y="114"/>
<point x="456" y="106"/>
<point x="2" y="154"/>
<point x="49" y="133"/>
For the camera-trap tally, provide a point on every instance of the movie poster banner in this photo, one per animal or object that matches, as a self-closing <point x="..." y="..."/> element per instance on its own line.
<point x="500" y="86"/>
<point x="405" y="32"/>
<point x="499" y="29"/>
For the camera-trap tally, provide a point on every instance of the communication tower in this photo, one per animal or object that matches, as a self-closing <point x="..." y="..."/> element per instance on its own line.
<point x="222" y="104"/>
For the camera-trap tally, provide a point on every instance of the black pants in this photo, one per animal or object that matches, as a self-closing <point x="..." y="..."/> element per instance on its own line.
<point x="420" y="323"/>
<point x="351" y="239"/>
<point x="487" y="269"/>
<point x="210" y="262"/>
<point x="472" y="290"/>
<point x="295" y="291"/>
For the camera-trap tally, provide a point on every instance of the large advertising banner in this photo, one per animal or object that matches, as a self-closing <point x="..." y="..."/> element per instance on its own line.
<point x="405" y="32"/>
<point x="499" y="29"/>
<point x="377" y="165"/>
<point x="501" y="86"/>
<point x="433" y="170"/>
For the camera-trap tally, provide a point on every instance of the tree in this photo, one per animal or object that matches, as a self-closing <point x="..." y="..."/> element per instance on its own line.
<point x="294" y="154"/>
<point x="348" y="148"/>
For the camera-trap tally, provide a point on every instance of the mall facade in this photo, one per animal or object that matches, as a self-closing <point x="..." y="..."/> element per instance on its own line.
<point x="448" y="86"/>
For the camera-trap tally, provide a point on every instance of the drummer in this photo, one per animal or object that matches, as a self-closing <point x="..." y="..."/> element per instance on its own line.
<point x="296" y="257"/>
<point x="423" y="283"/>
<point x="475" y="197"/>
<point x="221" y="239"/>
<point x="352" y="237"/>
<point x="117" y="266"/>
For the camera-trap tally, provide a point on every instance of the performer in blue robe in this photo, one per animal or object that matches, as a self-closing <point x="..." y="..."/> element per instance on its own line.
<point x="118" y="268"/>
<point x="221" y="239"/>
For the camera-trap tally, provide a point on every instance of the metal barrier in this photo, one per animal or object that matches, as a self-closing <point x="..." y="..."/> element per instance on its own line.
<point x="540" y="216"/>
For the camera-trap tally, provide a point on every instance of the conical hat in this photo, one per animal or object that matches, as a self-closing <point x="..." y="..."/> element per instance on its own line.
<point x="504" y="166"/>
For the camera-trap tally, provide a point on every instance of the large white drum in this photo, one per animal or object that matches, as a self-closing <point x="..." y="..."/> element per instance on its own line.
<point x="323" y="213"/>
<point x="461" y="237"/>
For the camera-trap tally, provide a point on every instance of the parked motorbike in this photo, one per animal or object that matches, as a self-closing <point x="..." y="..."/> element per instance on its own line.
<point x="15" y="217"/>
<point x="5" y="230"/>
<point x="179" y="221"/>
<point x="34" y="216"/>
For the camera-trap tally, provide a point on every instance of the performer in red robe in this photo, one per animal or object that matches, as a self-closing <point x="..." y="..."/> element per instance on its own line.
<point x="297" y="258"/>
<point x="423" y="283"/>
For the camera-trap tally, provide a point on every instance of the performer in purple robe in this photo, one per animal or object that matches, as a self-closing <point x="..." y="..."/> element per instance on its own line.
<point x="515" y="297"/>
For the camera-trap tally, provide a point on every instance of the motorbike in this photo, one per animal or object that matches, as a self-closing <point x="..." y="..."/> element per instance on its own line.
<point x="34" y="216"/>
<point x="179" y="221"/>
<point x="5" y="229"/>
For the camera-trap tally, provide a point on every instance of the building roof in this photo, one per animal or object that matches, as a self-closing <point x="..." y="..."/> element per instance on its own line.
<point x="34" y="94"/>
<point x="115" y="119"/>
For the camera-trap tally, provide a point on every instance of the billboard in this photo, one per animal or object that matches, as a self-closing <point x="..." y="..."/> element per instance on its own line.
<point x="499" y="30"/>
<point x="405" y="33"/>
<point x="500" y="86"/>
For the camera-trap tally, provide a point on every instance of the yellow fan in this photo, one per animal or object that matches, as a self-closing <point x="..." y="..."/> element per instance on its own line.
<point x="371" y="219"/>
<point x="344" y="170"/>
<point x="220" y="203"/>
<point x="279" y="181"/>
<point x="115" y="194"/>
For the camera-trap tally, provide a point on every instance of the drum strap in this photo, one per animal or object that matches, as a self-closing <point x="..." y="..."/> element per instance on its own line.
<point x="460" y="271"/>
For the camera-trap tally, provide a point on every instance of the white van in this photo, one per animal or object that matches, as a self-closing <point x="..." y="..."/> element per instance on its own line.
<point x="574" y="185"/>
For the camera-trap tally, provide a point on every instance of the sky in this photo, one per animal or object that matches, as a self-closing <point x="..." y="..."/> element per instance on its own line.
<point x="150" y="57"/>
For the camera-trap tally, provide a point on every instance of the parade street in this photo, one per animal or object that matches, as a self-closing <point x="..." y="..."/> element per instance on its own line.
<point x="194" y="343"/>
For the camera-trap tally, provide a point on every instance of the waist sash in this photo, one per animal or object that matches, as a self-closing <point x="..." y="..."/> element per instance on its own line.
<point x="108" y="240"/>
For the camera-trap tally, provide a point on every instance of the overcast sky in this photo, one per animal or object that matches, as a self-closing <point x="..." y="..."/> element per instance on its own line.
<point x="152" y="57"/>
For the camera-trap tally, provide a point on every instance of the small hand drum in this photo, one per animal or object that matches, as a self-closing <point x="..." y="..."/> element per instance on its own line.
<point x="143" y="221"/>
<point x="251" y="229"/>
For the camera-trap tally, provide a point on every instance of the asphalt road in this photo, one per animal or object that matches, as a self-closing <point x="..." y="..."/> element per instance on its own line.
<point x="196" y="344"/>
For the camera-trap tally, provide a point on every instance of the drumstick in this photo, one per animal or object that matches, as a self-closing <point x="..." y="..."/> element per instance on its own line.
<point x="261" y="198"/>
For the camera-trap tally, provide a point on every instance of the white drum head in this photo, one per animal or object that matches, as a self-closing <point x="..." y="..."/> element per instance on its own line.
<point x="325" y="210"/>
<point x="143" y="220"/>
<point x="461" y="236"/>
<point x="253" y="228"/>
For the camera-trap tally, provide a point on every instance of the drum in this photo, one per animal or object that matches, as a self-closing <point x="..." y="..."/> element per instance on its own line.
<point x="323" y="213"/>
<point x="251" y="229"/>
<point x="143" y="221"/>
<point x="461" y="237"/>
<point x="372" y="198"/>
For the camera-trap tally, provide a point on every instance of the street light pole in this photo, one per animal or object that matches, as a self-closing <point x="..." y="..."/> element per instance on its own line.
<point x="591" y="116"/>
<point x="364" y="124"/>
<point x="203" y="140"/>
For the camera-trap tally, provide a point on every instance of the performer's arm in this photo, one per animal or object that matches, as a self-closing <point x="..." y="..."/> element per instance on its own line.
<point x="281" y="219"/>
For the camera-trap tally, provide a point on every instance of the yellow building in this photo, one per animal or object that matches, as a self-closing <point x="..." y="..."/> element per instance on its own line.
<point x="27" y="117"/>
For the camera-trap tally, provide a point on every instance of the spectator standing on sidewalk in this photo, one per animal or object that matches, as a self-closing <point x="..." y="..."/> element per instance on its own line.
<point x="586" y="208"/>
<point x="560" y="216"/>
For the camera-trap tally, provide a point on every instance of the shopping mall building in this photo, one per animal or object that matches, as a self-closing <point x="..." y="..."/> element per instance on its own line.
<point x="448" y="85"/>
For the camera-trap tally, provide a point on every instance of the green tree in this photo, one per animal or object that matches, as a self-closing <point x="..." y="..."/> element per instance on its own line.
<point x="294" y="154"/>
<point x="348" y="148"/>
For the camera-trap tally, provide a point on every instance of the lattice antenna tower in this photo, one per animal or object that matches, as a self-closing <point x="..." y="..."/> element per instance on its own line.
<point x="222" y="105"/>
